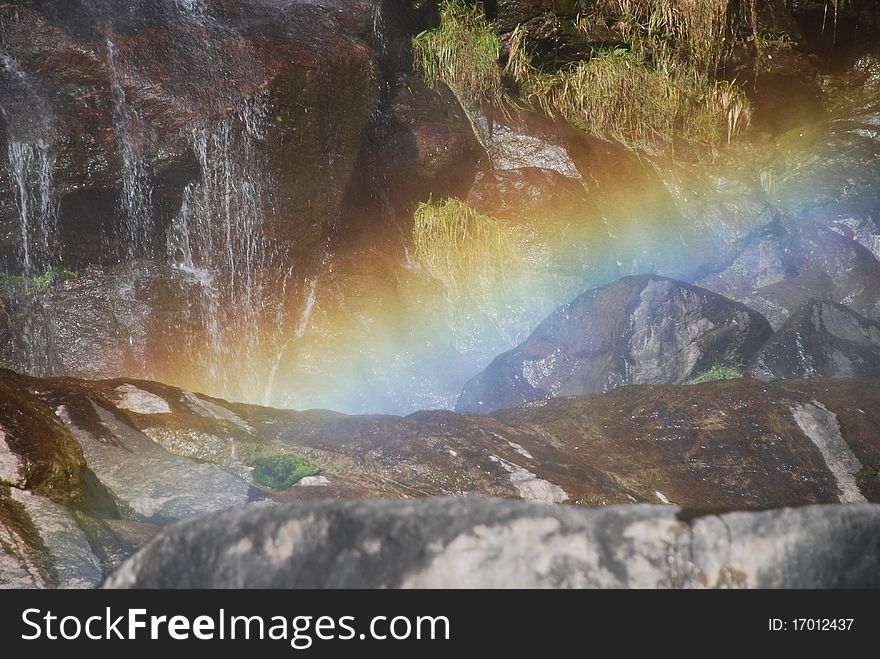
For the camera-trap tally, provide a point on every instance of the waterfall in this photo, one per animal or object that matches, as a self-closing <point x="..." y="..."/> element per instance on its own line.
<point x="380" y="39"/>
<point x="136" y="204"/>
<point x="199" y="293"/>
<point x="281" y="346"/>
<point x="239" y="276"/>
<point x="31" y="166"/>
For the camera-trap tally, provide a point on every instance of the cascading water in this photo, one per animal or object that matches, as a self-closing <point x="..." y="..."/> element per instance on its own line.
<point x="191" y="6"/>
<point x="136" y="195"/>
<point x="31" y="165"/>
<point x="239" y="277"/>
<point x="212" y="259"/>
<point x="380" y="38"/>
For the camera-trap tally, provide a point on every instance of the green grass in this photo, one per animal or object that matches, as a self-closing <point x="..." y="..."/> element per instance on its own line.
<point x="468" y="251"/>
<point x="281" y="471"/>
<point x="462" y="52"/>
<point x="718" y="372"/>
<point x="679" y="38"/>
<point x="617" y="97"/>
<point x="658" y="91"/>
<point x="42" y="282"/>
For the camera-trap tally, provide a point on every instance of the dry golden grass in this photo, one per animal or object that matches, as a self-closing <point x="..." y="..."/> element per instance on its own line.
<point x="462" y="52"/>
<point x="468" y="251"/>
<point x="660" y="91"/>
<point x="616" y="96"/>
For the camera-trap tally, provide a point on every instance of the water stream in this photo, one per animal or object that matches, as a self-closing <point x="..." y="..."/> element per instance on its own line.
<point x="137" y="228"/>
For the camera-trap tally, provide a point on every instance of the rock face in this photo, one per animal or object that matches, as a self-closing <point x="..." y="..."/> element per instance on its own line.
<point x="80" y="487"/>
<point x="490" y="543"/>
<point x="430" y="148"/>
<point x="101" y="92"/>
<point x="525" y="190"/>
<point x="777" y="272"/>
<point x="91" y="470"/>
<point x="638" y="330"/>
<point x="168" y="155"/>
<point x="824" y="339"/>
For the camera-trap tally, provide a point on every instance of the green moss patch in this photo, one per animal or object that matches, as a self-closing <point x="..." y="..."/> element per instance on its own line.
<point x="281" y="471"/>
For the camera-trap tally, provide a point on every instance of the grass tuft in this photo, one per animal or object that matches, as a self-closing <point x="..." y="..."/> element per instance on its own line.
<point x="718" y="372"/>
<point x="462" y="52"/>
<point x="659" y="90"/>
<point x="468" y="251"/>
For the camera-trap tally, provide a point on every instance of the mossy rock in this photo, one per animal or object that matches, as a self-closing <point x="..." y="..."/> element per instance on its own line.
<point x="52" y="460"/>
<point x="282" y="471"/>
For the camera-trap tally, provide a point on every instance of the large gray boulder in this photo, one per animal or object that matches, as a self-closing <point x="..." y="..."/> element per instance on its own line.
<point x="644" y="329"/>
<point x="493" y="543"/>
<point x="824" y="339"/>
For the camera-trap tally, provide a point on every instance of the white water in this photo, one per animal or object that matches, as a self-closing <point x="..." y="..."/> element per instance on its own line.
<point x="218" y="239"/>
<point x="379" y="32"/>
<point x="31" y="164"/>
<point x="136" y="199"/>
<point x="281" y="346"/>
<point x="191" y="6"/>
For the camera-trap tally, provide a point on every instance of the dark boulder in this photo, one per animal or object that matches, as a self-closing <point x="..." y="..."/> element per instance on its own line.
<point x="507" y="14"/>
<point x="429" y="148"/>
<point x="837" y="31"/>
<point x="489" y="543"/>
<point x="797" y="259"/>
<point x="823" y="339"/>
<point x="638" y="330"/>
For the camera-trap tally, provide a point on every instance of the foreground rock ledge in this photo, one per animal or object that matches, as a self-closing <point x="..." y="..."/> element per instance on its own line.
<point x="90" y="471"/>
<point x="494" y="543"/>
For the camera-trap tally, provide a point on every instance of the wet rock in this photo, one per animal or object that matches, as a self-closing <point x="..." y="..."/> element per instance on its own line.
<point x="101" y="92"/>
<point x="777" y="272"/>
<point x="155" y="484"/>
<point x="777" y="70"/>
<point x="526" y="190"/>
<point x="528" y="143"/>
<point x="828" y="162"/>
<point x="91" y="323"/>
<point x="763" y="261"/>
<point x="38" y="452"/>
<point x="91" y="469"/>
<point x="78" y="477"/>
<point x="488" y="543"/>
<point x="22" y="555"/>
<point x="852" y="30"/>
<point x="857" y="219"/>
<point x="70" y="560"/>
<point x="507" y="14"/>
<point x="823" y="339"/>
<point x="137" y="400"/>
<point x="430" y="148"/>
<point x="638" y="330"/>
